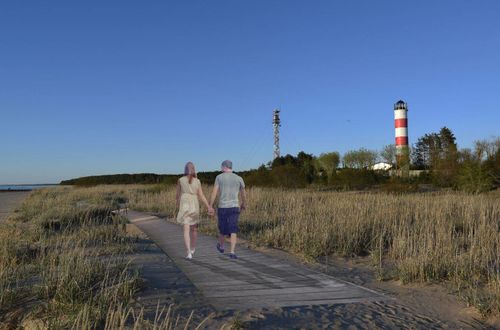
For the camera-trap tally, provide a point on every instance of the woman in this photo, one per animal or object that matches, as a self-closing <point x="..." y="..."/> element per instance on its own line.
<point x="188" y="192"/>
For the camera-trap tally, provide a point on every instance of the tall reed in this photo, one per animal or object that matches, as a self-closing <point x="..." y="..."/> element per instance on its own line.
<point x="445" y="236"/>
<point x="64" y="263"/>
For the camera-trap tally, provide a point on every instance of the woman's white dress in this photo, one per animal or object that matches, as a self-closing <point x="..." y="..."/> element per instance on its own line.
<point x="189" y="208"/>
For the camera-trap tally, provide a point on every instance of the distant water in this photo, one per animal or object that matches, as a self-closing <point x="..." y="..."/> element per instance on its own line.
<point x="26" y="187"/>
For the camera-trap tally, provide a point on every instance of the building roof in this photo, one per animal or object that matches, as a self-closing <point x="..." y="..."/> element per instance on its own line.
<point x="381" y="166"/>
<point x="400" y="105"/>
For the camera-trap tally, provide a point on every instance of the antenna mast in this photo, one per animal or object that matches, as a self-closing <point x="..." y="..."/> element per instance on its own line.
<point x="276" y="126"/>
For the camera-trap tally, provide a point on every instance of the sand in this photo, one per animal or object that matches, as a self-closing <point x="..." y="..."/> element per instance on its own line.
<point x="9" y="200"/>
<point x="416" y="306"/>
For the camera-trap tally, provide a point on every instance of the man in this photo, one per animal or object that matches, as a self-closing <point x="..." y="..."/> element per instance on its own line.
<point x="228" y="186"/>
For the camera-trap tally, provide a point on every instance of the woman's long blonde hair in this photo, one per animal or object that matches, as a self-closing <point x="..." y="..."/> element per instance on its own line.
<point x="190" y="171"/>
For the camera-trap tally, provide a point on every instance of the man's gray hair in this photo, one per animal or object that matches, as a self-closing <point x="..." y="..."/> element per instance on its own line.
<point x="227" y="164"/>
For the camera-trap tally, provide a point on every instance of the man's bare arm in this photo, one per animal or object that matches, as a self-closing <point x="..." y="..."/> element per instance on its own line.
<point x="243" y="196"/>
<point x="215" y="191"/>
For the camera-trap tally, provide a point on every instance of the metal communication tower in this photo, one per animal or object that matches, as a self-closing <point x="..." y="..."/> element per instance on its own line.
<point x="276" y="126"/>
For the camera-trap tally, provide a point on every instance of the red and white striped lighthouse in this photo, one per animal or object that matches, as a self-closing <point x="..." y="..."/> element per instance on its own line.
<point x="401" y="127"/>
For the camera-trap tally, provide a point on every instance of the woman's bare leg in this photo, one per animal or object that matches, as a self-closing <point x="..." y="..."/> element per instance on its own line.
<point x="187" y="239"/>
<point x="194" y="236"/>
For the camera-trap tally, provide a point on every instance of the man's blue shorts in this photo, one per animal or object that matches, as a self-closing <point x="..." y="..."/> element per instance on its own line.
<point x="228" y="220"/>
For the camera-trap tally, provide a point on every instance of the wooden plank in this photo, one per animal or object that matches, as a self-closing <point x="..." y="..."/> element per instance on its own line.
<point x="241" y="304"/>
<point x="303" y="291"/>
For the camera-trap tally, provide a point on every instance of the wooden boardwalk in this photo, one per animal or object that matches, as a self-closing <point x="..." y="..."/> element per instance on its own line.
<point x="254" y="280"/>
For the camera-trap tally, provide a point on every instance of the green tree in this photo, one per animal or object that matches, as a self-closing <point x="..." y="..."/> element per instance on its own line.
<point x="479" y="169"/>
<point x="438" y="153"/>
<point x="259" y="177"/>
<point x="288" y="176"/>
<point x="473" y="176"/>
<point x="426" y="151"/>
<point x="388" y="154"/>
<point x="362" y="158"/>
<point x="290" y="171"/>
<point x="326" y="164"/>
<point x="445" y="166"/>
<point x="306" y="163"/>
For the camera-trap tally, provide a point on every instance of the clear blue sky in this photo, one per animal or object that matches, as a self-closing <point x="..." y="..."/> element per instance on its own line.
<point x="100" y="87"/>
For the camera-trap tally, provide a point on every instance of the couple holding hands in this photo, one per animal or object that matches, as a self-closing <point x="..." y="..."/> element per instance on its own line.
<point x="229" y="187"/>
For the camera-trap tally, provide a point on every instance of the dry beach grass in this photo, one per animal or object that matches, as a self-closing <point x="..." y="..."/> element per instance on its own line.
<point x="447" y="237"/>
<point x="63" y="254"/>
<point x="64" y="264"/>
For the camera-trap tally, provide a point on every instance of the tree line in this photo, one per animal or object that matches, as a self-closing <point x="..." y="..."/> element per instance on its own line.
<point x="435" y="156"/>
<point x="139" y="178"/>
<point x="473" y="169"/>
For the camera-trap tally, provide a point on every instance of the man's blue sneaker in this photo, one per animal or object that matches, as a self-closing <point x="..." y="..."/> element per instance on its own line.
<point x="233" y="256"/>
<point x="220" y="249"/>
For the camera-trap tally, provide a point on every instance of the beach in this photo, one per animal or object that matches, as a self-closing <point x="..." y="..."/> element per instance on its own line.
<point x="9" y="200"/>
<point x="158" y="278"/>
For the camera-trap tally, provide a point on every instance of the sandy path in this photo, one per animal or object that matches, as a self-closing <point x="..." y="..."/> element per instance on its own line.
<point x="10" y="200"/>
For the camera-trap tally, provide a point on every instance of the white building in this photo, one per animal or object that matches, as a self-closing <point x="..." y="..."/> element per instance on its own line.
<point x="381" y="166"/>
